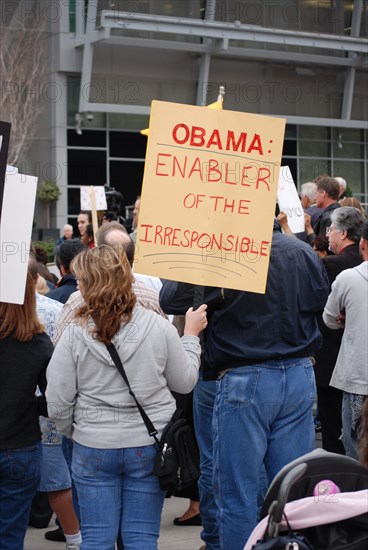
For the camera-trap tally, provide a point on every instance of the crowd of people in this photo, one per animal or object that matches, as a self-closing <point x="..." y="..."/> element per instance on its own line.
<point x="255" y="363"/>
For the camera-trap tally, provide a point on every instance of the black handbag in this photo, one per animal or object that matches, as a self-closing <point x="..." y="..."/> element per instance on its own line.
<point x="177" y="459"/>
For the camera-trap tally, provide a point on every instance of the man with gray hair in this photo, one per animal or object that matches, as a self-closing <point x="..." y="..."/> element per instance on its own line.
<point x="343" y="235"/>
<point x="342" y="185"/>
<point x="67" y="234"/>
<point x="308" y="192"/>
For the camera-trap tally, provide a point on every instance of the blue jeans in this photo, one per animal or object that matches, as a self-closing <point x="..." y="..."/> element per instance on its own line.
<point x="262" y="415"/>
<point x="67" y="446"/>
<point x="350" y="445"/>
<point x="203" y="403"/>
<point x="117" y="491"/>
<point x="19" y="478"/>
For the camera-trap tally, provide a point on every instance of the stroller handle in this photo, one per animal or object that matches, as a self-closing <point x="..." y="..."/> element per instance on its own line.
<point x="276" y="508"/>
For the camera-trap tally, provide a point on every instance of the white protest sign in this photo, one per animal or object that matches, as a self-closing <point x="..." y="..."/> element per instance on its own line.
<point x="100" y="197"/>
<point x="15" y="235"/>
<point x="288" y="200"/>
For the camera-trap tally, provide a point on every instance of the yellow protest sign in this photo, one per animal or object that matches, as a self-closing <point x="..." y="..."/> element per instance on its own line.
<point x="208" y="196"/>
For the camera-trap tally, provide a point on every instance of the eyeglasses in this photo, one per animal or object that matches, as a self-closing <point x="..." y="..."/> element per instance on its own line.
<point x="330" y="229"/>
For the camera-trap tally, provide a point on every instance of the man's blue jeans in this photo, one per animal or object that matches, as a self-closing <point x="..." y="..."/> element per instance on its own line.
<point x="203" y="403"/>
<point x="262" y="415"/>
<point x="19" y="477"/>
<point x="117" y="491"/>
<point x="350" y="445"/>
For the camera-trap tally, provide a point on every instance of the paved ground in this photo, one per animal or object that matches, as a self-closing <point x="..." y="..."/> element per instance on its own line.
<point x="172" y="537"/>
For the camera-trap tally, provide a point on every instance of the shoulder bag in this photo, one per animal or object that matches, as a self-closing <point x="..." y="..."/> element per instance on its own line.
<point x="177" y="459"/>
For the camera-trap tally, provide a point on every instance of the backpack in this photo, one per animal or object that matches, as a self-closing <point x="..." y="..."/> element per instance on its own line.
<point x="177" y="460"/>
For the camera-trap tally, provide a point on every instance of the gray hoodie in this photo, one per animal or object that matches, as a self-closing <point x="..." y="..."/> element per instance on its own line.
<point x="349" y="293"/>
<point x="87" y="397"/>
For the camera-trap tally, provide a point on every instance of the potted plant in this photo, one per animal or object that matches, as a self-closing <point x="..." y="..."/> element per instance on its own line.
<point x="48" y="193"/>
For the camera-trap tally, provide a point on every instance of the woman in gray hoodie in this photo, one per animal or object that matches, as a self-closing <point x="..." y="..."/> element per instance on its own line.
<point x="113" y="454"/>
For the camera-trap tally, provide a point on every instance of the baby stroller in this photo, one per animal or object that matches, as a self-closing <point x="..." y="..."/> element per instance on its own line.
<point x="319" y="501"/>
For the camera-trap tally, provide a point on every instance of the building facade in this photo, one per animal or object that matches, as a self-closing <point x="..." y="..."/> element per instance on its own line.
<point x="304" y="60"/>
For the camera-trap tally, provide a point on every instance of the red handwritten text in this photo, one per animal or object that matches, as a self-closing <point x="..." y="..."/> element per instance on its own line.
<point x="196" y="136"/>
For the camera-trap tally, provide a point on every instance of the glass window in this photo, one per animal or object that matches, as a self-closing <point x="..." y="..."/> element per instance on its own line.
<point x="91" y="138"/>
<point x="128" y="122"/>
<point x="314" y="141"/>
<point x="127" y="177"/>
<point x="72" y="16"/>
<point x="289" y="147"/>
<point x="352" y="171"/>
<point x="86" y="167"/>
<point x="309" y="169"/>
<point x="290" y="131"/>
<point x="128" y="145"/>
<point x="171" y="8"/>
<point x="314" y="148"/>
<point x="74" y="202"/>
<point x="347" y="134"/>
<point x="343" y="149"/>
<point x="292" y="164"/>
<point x="327" y="16"/>
<point x="313" y="132"/>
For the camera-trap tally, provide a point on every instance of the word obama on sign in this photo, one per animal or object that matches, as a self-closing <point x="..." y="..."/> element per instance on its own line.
<point x="216" y="175"/>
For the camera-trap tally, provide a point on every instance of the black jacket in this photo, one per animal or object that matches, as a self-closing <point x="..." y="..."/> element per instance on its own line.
<point x="246" y="328"/>
<point x="22" y="368"/>
<point x="324" y="220"/>
<point x="66" y="287"/>
<point x="326" y="357"/>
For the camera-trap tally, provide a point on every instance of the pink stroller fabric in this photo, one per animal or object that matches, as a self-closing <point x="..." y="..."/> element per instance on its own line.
<point x="313" y="511"/>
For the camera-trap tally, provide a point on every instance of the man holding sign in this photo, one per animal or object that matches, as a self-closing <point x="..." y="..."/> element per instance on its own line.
<point x="218" y="172"/>
<point x="258" y="347"/>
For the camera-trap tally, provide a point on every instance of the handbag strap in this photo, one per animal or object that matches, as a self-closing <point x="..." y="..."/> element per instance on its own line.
<point x="119" y="365"/>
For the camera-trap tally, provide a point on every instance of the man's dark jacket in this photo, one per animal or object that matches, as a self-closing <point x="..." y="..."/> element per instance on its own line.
<point x="326" y="357"/>
<point x="66" y="287"/>
<point x="324" y="220"/>
<point x="246" y="328"/>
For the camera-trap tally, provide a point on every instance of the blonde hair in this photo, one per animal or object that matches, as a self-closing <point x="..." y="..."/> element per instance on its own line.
<point x="20" y="320"/>
<point x="352" y="201"/>
<point x="41" y="286"/>
<point x="108" y="296"/>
